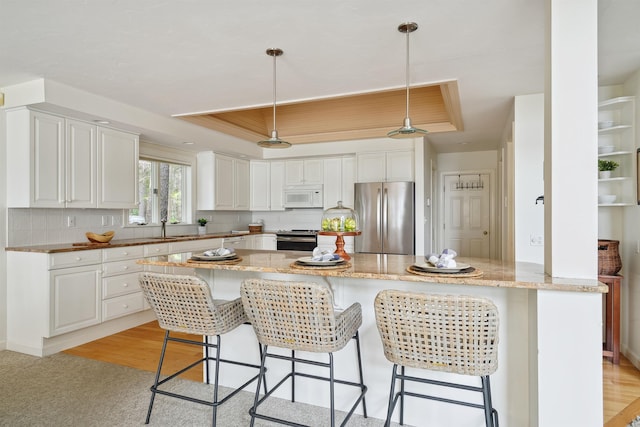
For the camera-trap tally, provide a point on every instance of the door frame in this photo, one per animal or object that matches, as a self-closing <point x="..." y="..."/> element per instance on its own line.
<point x="493" y="243"/>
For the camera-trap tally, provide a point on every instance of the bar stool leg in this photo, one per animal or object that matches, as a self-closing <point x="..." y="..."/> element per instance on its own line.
<point x="392" y="390"/>
<point x="364" y="403"/>
<point x="293" y="376"/>
<point x="402" y="395"/>
<point x="155" y="384"/>
<point x="261" y="377"/>
<point x="490" y="414"/>
<point x="216" y="376"/>
<point x="332" y="391"/>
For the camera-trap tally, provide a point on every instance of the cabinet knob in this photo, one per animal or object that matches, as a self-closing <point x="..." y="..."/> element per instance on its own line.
<point x="125" y="305"/>
<point x="125" y="285"/>
<point x="125" y="253"/>
<point x="78" y="258"/>
<point x="126" y="267"/>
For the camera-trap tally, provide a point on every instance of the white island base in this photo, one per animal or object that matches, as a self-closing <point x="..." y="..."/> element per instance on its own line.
<point x="549" y="356"/>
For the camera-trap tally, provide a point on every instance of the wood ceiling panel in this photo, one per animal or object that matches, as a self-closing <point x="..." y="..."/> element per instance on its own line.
<point x="435" y="108"/>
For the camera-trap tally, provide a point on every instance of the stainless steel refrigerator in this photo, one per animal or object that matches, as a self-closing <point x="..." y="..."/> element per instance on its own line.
<point x="386" y="214"/>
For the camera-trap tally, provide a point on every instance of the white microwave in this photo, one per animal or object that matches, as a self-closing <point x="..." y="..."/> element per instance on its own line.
<point x="303" y="196"/>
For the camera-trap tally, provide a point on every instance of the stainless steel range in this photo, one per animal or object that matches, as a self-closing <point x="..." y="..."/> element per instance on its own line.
<point x="296" y="240"/>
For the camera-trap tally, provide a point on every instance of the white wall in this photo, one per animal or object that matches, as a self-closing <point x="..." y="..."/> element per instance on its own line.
<point x="528" y="146"/>
<point x="3" y="234"/>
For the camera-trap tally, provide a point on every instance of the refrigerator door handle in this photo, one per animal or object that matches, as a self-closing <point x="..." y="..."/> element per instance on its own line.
<point x="379" y="211"/>
<point x="385" y="207"/>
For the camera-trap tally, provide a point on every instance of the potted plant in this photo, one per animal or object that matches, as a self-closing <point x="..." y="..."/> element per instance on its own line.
<point x="605" y="167"/>
<point x="202" y="228"/>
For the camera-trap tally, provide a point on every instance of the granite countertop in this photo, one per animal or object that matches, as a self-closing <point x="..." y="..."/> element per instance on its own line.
<point x="496" y="273"/>
<point x="116" y="243"/>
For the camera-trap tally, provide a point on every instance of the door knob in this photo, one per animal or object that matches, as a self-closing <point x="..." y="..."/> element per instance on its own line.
<point x="485" y="232"/>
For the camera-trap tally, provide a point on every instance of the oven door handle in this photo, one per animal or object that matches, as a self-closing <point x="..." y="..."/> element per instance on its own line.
<point x="295" y="239"/>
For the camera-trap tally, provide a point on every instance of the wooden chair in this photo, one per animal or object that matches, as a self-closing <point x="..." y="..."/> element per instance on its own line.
<point x="184" y="304"/>
<point x="299" y="316"/>
<point x="455" y="334"/>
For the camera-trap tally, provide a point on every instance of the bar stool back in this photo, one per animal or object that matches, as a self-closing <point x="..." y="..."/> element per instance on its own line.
<point x="448" y="333"/>
<point x="184" y="304"/>
<point x="299" y="316"/>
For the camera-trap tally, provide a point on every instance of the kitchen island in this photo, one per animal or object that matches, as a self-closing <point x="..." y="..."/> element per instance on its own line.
<point x="534" y="326"/>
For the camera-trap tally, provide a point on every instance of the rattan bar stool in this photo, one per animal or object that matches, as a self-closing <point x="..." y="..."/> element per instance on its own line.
<point x="455" y="334"/>
<point x="185" y="304"/>
<point x="299" y="316"/>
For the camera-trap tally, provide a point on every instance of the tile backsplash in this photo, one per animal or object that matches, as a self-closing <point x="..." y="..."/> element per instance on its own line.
<point x="31" y="226"/>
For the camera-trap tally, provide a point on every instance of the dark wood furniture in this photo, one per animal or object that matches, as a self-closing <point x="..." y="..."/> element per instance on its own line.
<point x="611" y="346"/>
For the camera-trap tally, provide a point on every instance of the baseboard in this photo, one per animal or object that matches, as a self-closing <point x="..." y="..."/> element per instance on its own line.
<point x="633" y="357"/>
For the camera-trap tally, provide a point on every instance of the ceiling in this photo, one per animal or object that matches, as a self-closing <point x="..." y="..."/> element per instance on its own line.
<point x="201" y="57"/>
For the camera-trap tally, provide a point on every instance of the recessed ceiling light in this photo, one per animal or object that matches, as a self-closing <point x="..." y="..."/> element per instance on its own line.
<point x="102" y="122"/>
<point x="188" y="142"/>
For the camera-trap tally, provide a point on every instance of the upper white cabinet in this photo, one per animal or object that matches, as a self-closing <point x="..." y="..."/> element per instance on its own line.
<point x="616" y="142"/>
<point x="222" y="182"/>
<point x="260" y="171"/>
<point x="339" y="177"/>
<point x="55" y="161"/>
<point x="303" y="171"/>
<point x="385" y="166"/>
<point x="117" y="169"/>
<point x="276" y="184"/>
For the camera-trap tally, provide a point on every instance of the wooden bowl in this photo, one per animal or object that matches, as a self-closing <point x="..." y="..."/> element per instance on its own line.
<point x="100" y="238"/>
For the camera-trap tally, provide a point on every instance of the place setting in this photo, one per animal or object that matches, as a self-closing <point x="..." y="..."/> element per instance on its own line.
<point x="444" y="264"/>
<point x="321" y="259"/>
<point x="219" y="255"/>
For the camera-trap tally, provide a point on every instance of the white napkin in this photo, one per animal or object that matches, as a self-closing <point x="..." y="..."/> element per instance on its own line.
<point x="219" y="252"/>
<point x="322" y="255"/>
<point x="443" y="260"/>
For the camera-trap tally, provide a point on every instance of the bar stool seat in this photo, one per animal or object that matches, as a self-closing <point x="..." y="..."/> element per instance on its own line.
<point x="185" y="304"/>
<point x="299" y="316"/>
<point x="447" y="333"/>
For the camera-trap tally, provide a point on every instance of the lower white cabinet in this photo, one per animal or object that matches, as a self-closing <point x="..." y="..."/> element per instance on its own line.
<point x="75" y="299"/>
<point x="121" y="292"/>
<point x="265" y="242"/>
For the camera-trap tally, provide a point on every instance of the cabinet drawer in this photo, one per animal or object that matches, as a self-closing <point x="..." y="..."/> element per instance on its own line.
<point x="122" y="306"/>
<point x="74" y="259"/>
<point x="121" y="267"/>
<point x="118" y="254"/>
<point x="120" y="285"/>
<point x="159" y="249"/>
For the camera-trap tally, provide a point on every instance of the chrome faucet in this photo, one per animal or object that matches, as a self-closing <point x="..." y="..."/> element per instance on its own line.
<point x="163" y="232"/>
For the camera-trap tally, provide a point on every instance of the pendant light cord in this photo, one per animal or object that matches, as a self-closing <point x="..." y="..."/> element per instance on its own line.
<point x="407" y="73"/>
<point x="274" y="92"/>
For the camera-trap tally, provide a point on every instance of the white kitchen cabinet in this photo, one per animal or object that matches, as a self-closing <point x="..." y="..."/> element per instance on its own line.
<point x="339" y="179"/>
<point x="276" y="185"/>
<point x="121" y="292"/>
<point x="118" y="154"/>
<point x="385" y="166"/>
<point x="55" y="162"/>
<point x="195" y="246"/>
<point x="260" y="173"/>
<point x="265" y="242"/>
<point x="239" y="242"/>
<point x="223" y="182"/>
<point x="616" y="142"/>
<point x="75" y="299"/>
<point x="303" y="172"/>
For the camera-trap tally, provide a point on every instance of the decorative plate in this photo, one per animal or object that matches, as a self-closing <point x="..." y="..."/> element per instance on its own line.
<point x="203" y="257"/>
<point x="309" y="261"/>
<point x="430" y="268"/>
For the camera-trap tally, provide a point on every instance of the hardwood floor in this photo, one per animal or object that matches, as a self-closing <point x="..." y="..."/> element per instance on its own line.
<point x="140" y="348"/>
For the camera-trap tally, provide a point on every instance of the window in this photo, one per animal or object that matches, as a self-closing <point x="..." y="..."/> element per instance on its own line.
<point x="162" y="189"/>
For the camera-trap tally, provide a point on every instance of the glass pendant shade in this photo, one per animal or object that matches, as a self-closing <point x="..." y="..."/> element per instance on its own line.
<point x="274" y="141"/>
<point x="407" y="130"/>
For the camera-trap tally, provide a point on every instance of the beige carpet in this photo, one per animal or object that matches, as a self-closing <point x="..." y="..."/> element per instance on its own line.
<point x="626" y="415"/>
<point x="65" y="390"/>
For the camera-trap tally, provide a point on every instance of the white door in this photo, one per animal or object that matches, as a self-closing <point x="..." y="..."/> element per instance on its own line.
<point x="467" y="215"/>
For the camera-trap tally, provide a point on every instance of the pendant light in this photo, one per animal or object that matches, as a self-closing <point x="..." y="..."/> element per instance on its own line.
<point x="407" y="131"/>
<point x="274" y="141"/>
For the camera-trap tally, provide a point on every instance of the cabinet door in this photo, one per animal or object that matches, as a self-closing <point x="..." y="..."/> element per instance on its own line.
<point x="224" y="186"/>
<point x="371" y="167"/>
<point x="81" y="173"/>
<point x="348" y="181"/>
<point x="276" y="185"/>
<point x="74" y="299"/>
<point x="332" y="187"/>
<point x="241" y="184"/>
<point x="117" y="169"/>
<point x="260" y="185"/>
<point x="47" y="166"/>
<point x="313" y="171"/>
<point x="294" y="172"/>
<point x="399" y="166"/>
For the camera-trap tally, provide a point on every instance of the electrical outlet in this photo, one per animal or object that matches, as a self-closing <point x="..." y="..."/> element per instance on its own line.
<point x="71" y="221"/>
<point x="536" y="240"/>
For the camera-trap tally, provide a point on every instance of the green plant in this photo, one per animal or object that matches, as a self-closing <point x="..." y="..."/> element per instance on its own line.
<point x="202" y="222"/>
<point x="607" y="165"/>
